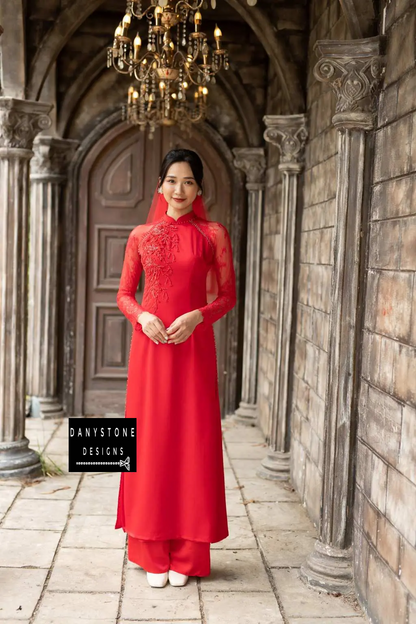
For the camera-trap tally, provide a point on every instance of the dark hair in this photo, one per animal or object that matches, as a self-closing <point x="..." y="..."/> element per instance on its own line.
<point x="183" y="155"/>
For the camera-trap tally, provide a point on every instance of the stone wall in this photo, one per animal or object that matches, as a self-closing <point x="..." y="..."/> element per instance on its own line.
<point x="315" y="268"/>
<point x="385" y="526"/>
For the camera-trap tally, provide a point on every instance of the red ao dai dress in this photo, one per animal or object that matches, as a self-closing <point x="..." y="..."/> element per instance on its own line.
<point x="178" y="490"/>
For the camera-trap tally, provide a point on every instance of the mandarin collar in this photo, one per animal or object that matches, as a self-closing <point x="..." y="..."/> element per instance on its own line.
<point x="183" y="219"/>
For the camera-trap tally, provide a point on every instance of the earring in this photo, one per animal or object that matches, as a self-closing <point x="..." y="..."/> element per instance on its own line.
<point x="199" y="192"/>
<point x="159" y="190"/>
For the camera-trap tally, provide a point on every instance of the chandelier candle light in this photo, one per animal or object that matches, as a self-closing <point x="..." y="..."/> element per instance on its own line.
<point x="173" y="62"/>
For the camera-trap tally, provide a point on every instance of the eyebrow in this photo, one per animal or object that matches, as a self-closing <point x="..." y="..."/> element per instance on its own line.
<point x="172" y="176"/>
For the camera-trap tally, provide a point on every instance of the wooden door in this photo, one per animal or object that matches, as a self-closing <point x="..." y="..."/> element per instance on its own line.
<point x="119" y="188"/>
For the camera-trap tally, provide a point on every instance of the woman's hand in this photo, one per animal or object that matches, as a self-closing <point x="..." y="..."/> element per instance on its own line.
<point x="153" y="327"/>
<point x="183" y="326"/>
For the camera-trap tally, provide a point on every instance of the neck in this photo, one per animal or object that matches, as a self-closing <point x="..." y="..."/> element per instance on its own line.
<point x="175" y="214"/>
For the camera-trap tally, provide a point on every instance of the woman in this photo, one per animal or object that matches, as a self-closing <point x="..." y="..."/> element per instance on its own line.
<point x="174" y="506"/>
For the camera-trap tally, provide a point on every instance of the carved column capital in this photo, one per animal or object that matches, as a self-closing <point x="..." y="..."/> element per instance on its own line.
<point x="21" y="121"/>
<point x="52" y="158"/>
<point x="354" y="70"/>
<point x="252" y="161"/>
<point x="289" y="134"/>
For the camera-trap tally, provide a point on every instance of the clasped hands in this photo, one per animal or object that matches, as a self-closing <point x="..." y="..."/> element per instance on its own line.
<point x="179" y="331"/>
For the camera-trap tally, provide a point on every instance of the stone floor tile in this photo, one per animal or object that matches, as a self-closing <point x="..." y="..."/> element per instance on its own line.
<point x="93" y="501"/>
<point x="40" y="424"/>
<point x="20" y="591"/>
<point x="60" y="460"/>
<point x="233" y="432"/>
<point x="57" y="446"/>
<point x="241" y="607"/>
<point x="236" y="570"/>
<point x="235" y="505"/>
<point x="92" y="569"/>
<point x="279" y="516"/>
<point x="287" y="549"/>
<point x="230" y="480"/>
<point x="263" y="490"/>
<point x="61" y="487"/>
<point x="7" y="496"/>
<point x="101" y="479"/>
<point x="300" y="601"/>
<point x="93" y="532"/>
<point x="37" y="514"/>
<point x="241" y="536"/>
<point x="226" y="461"/>
<point x="169" y="603"/>
<point x="38" y="439"/>
<point x="247" y="450"/>
<point x="245" y="468"/>
<point x="62" y="431"/>
<point x="71" y="620"/>
<point x="65" y="608"/>
<point x="161" y="621"/>
<point x="17" y="483"/>
<point x="327" y="619"/>
<point x="19" y="548"/>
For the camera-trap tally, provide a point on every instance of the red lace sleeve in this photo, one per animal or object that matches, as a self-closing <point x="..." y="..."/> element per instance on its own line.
<point x="130" y="276"/>
<point x="224" y="268"/>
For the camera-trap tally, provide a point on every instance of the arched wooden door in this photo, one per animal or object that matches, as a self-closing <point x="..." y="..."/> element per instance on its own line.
<point x="117" y="183"/>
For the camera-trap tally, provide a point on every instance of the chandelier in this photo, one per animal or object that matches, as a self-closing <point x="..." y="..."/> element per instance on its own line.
<point x="164" y="108"/>
<point x="176" y="61"/>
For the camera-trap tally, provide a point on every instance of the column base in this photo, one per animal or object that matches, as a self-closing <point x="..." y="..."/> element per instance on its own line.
<point x="45" y="407"/>
<point x="328" y="569"/>
<point x="17" y="460"/>
<point x="246" y="414"/>
<point x="275" y="466"/>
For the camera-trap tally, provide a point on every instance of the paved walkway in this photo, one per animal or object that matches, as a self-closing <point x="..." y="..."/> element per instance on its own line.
<point x="62" y="562"/>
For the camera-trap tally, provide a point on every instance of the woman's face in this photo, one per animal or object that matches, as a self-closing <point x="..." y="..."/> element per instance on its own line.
<point x="179" y="186"/>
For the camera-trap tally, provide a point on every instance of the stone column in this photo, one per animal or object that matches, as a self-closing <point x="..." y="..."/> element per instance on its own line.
<point x="288" y="133"/>
<point x="48" y="172"/>
<point x="20" y="122"/>
<point x="252" y="161"/>
<point x="353" y="69"/>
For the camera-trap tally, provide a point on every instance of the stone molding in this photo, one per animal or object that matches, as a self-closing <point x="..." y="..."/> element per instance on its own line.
<point x="52" y="157"/>
<point x="354" y="70"/>
<point x="252" y="161"/>
<point x="289" y="133"/>
<point x="21" y="121"/>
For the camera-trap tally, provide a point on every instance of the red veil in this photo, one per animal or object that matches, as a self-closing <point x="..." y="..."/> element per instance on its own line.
<point x="157" y="211"/>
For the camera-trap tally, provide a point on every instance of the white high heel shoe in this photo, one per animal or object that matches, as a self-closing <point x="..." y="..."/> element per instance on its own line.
<point x="177" y="579"/>
<point x="157" y="580"/>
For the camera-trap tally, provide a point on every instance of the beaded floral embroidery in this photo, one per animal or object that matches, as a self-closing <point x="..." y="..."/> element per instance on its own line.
<point x="157" y="250"/>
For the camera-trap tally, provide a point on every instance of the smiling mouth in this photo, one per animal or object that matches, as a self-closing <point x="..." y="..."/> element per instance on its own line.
<point x="179" y="198"/>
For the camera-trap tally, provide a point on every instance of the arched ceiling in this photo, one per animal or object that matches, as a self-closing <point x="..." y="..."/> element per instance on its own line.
<point x="229" y="88"/>
<point x="52" y="29"/>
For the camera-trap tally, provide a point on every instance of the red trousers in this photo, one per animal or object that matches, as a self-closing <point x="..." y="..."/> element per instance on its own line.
<point x="183" y="556"/>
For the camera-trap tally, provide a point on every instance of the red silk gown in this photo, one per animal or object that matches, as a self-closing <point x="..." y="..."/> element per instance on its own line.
<point x="178" y="490"/>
